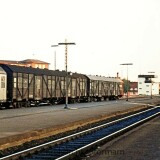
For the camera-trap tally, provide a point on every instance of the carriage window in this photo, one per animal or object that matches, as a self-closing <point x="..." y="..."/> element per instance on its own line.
<point x="15" y="82"/>
<point x="3" y="82"/>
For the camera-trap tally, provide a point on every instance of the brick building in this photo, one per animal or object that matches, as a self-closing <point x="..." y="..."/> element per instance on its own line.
<point x="133" y="91"/>
<point x="27" y="63"/>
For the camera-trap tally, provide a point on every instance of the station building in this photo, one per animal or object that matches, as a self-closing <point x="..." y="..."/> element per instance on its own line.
<point x="34" y="63"/>
<point x="147" y="85"/>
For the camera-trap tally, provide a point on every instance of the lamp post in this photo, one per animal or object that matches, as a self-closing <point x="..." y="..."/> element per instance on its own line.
<point x="127" y="64"/>
<point x="151" y="84"/>
<point x="54" y="56"/>
<point x="66" y="65"/>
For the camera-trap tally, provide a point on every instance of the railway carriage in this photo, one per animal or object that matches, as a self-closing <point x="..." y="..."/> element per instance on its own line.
<point x="103" y="88"/>
<point x="28" y="86"/>
<point x="3" y="88"/>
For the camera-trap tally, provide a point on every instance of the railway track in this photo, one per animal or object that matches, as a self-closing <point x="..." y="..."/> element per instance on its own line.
<point x="74" y="145"/>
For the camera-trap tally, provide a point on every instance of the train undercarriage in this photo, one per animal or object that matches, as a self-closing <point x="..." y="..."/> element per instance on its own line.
<point x="54" y="101"/>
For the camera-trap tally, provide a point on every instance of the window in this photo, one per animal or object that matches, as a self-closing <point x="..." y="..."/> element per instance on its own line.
<point x="3" y="82"/>
<point x="15" y="80"/>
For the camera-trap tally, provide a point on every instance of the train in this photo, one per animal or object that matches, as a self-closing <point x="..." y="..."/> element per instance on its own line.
<point x="26" y="86"/>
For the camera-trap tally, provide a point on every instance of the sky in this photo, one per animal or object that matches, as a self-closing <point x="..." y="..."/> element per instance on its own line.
<point x="107" y="33"/>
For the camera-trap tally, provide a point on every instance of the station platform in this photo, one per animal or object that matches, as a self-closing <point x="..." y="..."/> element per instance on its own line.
<point x="25" y="124"/>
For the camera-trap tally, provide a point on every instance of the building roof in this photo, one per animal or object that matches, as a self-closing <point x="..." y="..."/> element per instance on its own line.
<point x="38" y="71"/>
<point x="2" y="71"/>
<point x="147" y="76"/>
<point x="8" y="61"/>
<point x="33" y="61"/>
<point x="101" y="78"/>
<point x="23" y="61"/>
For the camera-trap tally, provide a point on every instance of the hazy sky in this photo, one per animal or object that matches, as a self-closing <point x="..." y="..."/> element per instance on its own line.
<point x="106" y="32"/>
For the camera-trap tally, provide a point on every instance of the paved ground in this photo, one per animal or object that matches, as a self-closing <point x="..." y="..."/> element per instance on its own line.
<point x="142" y="143"/>
<point x="15" y="123"/>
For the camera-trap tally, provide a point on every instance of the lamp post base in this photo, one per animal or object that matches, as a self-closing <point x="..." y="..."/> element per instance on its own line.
<point x="66" y="106"/>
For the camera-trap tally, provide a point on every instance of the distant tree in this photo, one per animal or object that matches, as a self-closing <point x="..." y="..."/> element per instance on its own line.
<point x="126" y="84"/>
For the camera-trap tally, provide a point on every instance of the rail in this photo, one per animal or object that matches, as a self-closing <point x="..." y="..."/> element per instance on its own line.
<point x="70" y="146"/>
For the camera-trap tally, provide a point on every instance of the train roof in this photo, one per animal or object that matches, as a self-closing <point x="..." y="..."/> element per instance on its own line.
<point x="37" y="71"/>
<point x="2" y="71"/>
<point x="101" y="78"/>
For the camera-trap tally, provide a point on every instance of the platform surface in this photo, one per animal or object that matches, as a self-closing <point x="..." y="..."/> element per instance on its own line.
<point x="15" y="122"/>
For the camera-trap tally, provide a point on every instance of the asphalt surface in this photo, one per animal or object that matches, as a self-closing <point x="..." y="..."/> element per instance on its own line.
<point x="15" y="123"/>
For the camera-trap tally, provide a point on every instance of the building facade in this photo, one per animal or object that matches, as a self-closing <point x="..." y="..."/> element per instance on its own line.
<point x="133" y="90"/>
<point x="146" y="85"/>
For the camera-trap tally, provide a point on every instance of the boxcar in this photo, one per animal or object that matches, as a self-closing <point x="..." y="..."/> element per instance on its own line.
<point x="27" y="86"/>
<point x="3" y="88"/>
<point x="103" y="88"/>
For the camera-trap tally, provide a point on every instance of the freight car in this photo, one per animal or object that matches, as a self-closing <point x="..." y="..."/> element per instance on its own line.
<point x="27" y="86"/>
<point x="104" y="88"/>
<point x="3" y="88"/>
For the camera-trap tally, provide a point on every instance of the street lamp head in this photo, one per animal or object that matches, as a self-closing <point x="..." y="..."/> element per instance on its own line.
<point x="126" y="64"/>
<point x="66" y="43"/>
<point x="127" y="77"/>
<point x="151" y="72"/>
<point x="54" y="45"/>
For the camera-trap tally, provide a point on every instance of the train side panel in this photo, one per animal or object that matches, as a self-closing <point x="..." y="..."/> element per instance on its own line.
<point x="3" y="85"/>
<point x="77" y="88"/>
<point x="103" y="88"/>
<point x="28" y="86"/>
<point x="3" y="88"/>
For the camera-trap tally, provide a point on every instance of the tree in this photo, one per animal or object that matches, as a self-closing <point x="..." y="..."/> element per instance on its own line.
<point x="126" y="85"/>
